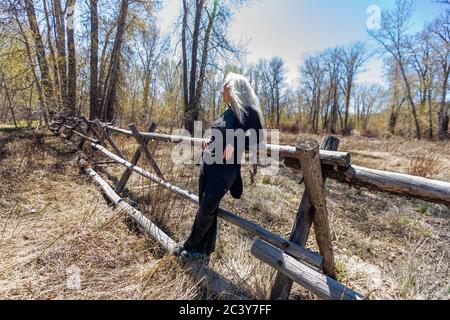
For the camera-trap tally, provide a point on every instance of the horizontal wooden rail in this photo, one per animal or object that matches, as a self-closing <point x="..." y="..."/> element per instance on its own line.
<point x="150" y="228"/>
<point x="397" y="183"/>
<point x="335" y="158"/>
<point x="323" y="286"/>
<point x="86" y="137"/>
<point x="338" y="167"/>
<point x="291" y="248"/>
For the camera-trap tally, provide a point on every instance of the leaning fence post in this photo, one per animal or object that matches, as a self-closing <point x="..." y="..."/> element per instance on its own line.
<point x="137" y="155"/>
<point x="99" y="133"/>
<point x="104" y="131"/>
<point x="144" y="149"/>
<point x="300" y="231"/>
<point x="314" y="185"/>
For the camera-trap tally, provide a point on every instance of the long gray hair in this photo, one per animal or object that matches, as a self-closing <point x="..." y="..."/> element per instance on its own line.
<point x="242" y="96"/>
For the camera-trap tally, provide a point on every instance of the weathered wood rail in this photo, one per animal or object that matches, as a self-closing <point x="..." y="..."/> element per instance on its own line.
<point x="337" y="166"/>
<point x="290" y="258"/>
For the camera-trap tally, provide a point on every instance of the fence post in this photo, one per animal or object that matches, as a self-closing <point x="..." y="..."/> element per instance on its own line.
<point x="137" y="155"/>
<point x="144" y="149"/>
<point x="314" y="185"/>
<point x="104" y="131"/>
<point x="300" y="231"/>
<point x="97" y="132"/>
<point x="315" y="281"/>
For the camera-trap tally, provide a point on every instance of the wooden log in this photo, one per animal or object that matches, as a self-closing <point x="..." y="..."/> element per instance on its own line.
<point x="291" y="248"/>
<point x="104" y="131"/>
<point x="68" y="127"/>
<point x="341" y="159"/>
<point x="55" y="126"/>
<point x="208" y="278"/>
<point x="137" y="155"/>
<point x="321" y="285"/>
<point x="86" y="137"/>
<point x="98" y="133"/>
<point x="300" y="231"/>
<point x="392" y="182"/>
<point x="150" y="228"/>
<point x="84" y="134"/>
<point x="104" y="163"/>
<point x="66" y="133"/>
<point x="314" y="186"/>
<point x="143" y="146"/>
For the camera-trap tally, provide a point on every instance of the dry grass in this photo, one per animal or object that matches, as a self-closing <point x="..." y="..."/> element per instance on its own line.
<point x="386" y="247"/>
<point x="425" y="165"/>
<point x="52" y="218"/>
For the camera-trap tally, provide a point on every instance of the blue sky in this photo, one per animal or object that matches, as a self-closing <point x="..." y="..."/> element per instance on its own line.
<point x="293" y="28"/>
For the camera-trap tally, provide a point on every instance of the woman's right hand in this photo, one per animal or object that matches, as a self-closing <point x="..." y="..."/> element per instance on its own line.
<point x="205" y="144"/>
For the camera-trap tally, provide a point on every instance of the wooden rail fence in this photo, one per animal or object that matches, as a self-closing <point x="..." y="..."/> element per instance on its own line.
<point x="292" y="260"/>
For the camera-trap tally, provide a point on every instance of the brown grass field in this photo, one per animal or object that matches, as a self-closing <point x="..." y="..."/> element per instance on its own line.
<point x="54" y="219"/>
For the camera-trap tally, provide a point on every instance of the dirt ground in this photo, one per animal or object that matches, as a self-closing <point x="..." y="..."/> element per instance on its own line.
<point x="60" y="240"/>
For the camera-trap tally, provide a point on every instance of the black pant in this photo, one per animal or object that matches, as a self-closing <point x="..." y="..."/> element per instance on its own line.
<point x="214" y="182"/>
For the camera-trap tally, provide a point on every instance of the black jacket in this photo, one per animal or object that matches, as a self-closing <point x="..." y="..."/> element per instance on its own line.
<point x="228" y="120"/>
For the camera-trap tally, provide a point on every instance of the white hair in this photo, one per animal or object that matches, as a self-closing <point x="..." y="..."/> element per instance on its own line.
<point x="242" y="96"/>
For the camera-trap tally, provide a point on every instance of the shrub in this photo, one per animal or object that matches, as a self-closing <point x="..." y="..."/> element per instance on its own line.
<point x="424" y="165"/>
<point x="290" y="128"/>
<point x="370" y="133"/>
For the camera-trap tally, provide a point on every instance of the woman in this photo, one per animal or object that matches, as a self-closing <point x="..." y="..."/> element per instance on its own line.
<point x="224" y="174"/>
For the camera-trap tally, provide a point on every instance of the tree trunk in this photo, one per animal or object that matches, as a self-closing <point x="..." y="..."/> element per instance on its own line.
<point x="193" y="112"/>
<point x="72" y="67"/>
<point x="40" y="52"/>
<point x="411" y="100"/>
<point x="443" y="117"/>
<point x="114" y="66"/>
<point x="11" y="108"/>
<point x="61" y="48"/>
<point x="278" y="106"/>
<point x="430" y="113"/>
<point x="185" y="62"/>
<point x="102" y="75"/>
<point x="44" y="111"/>
<point x="201" y="78"/>
<point x="93" y="86"/>
<point x="346" y="130"/>
<point x="52" y="51"/>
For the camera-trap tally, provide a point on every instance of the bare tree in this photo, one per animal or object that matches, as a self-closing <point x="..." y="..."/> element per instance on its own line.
<point x="94" y="111"/>
<point x="333" y="69"/>
<point x="392" y="36"/>
<point x="109" y="94"/>
<point x="397" y="97"/>
<point x="440" y="30"/>
<point x="276" y="79"/>
<point x="60" y="39"/>
<point x="71" y="60"/>
<point x="40" y="53"/>
<point x="203" y="40"/>
<point x="352" y="58"/>
<point x="313" y="74"/>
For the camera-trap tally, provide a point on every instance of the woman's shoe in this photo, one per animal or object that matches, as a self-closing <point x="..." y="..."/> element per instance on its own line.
<point x="178" y="249"/>
<point x="193" y="255"/>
